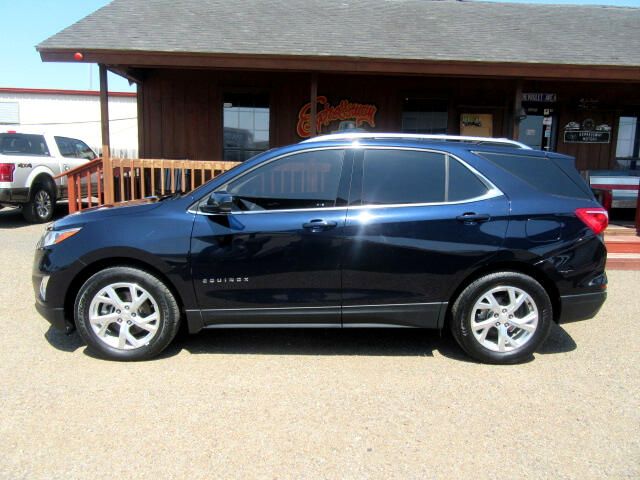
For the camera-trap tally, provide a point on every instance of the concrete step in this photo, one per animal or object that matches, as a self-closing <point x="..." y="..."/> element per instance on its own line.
<point x="624" y="230"/>
<point x="623" y="261"/>
<point x="622" y="244"/>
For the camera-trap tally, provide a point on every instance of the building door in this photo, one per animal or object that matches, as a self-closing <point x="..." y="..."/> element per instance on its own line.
<point x="276" y="257"/>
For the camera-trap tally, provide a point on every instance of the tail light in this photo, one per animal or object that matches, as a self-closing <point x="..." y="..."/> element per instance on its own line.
<point x="596" y="219"/>
<point x="6" y="172"/>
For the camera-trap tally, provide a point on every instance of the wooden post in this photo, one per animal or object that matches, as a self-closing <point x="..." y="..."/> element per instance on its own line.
<point x="314" y="105"/>
<point x="106" y="143"/>
<point x="517" y="107"/>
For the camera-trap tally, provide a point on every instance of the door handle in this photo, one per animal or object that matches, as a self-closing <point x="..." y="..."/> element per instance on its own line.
<point x="471" y="218"/>
<point x="318" y="225"/>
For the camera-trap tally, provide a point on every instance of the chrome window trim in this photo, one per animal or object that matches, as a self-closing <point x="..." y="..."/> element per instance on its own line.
<point x="492" y="190"/>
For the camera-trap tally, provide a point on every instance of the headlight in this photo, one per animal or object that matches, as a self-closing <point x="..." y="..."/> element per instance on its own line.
<point x="53" y="237"/>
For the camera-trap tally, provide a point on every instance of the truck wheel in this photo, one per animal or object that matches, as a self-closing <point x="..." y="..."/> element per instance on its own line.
<point x="502" y="318"/>
<point x="39" y="208"/>
<point x="124" y="313"/>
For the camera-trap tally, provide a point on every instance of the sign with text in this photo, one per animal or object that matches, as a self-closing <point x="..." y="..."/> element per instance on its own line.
<point x="539" y="97"/>
<point x="586" y="136"/>
<point x="350" y="115"/>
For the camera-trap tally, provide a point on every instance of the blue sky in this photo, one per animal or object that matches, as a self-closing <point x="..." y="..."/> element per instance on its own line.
<point x="25" y="23"/>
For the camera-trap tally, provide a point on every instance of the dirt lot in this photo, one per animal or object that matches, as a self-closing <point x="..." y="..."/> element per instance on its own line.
<point x="314" y="404"/>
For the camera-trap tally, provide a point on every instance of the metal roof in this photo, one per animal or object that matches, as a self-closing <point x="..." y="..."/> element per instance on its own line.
<point x="433" y="30"/>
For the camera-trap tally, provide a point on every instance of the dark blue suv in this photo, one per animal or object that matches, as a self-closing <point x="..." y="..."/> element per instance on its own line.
<point x="490" y="240"/>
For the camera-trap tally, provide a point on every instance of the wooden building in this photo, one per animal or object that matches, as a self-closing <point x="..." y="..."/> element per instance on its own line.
<point x="221" y="80"/>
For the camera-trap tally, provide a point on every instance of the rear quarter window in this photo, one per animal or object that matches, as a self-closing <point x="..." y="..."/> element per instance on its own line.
<point x="23" y="144"/>
<point x="540" y="172"/>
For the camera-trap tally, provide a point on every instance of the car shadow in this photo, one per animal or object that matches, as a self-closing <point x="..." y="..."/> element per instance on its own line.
<point x="558" y="341"/>
<point x="11" y="217"/>
<point x="325" y="342"/>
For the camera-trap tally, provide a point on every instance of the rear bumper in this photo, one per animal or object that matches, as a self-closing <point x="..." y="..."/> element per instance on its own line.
<point x="13" y="196"/>
<point x="580" y="307"/>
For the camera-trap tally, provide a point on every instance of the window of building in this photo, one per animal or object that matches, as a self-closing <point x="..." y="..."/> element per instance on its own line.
<point x="628" y="145"/>
<point x="421" y="115"/>
<point x="246" y="125"/>
<point x="402" y="176"/>
<point x="304" y="180"/>
<point x="9" y="113"/>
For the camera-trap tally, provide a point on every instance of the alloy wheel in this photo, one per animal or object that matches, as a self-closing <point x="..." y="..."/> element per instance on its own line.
<point x="504" y="319"/>
<point x="42" y="202"/>
<point x="124" y="316"/>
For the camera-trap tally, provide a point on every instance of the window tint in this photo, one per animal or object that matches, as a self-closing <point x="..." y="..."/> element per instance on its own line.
<point x="73" y="148"/>
<point x="463" y="183"/>
<point x="303" y="180"/>
<point x="539" y="172"/>
<point x="402" y="176"/>
<point x="22" y="144"/>
<point x="65" y="147"/>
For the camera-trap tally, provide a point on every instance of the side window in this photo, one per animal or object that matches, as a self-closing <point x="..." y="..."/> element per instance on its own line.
<point x="303" y="180"/>
<point x="463" y="183"/>
<point x="65" y="147"/>
<point x="402" y="176"/>
<point x="539" y="172"/>
<point x="73" y="148"/>
<point x="82" y="150"/>
<point x="23" y="144"/>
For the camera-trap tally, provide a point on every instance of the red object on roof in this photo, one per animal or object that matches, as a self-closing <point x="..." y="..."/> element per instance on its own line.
<point x="53" y="91"/>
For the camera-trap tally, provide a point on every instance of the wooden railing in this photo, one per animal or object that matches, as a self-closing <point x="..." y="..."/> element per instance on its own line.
<point x="123" y="180"/>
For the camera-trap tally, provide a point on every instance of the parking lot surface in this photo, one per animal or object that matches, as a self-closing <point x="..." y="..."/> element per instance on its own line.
<point x="316" y="403"/>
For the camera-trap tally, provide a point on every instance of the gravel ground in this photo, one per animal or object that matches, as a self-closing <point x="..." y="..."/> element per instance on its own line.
<point x="314" y="404"/>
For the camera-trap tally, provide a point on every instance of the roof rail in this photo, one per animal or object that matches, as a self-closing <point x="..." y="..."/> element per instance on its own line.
<point x="417" y="136"/>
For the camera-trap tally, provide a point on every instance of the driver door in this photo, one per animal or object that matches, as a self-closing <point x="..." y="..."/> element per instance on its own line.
<point x="275" y="258"/>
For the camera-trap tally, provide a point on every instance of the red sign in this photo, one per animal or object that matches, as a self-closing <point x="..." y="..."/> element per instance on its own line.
<point x="345" y="110"/>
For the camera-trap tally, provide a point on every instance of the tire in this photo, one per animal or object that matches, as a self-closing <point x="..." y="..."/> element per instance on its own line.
<point x="502" y="318"/>
<point x="113" y="326"/>
<point x="41" y="205"/>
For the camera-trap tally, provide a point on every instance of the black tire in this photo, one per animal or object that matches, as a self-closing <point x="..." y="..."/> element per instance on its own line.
<point x="462" y="311"/>
<point x="166" y="325"/>
<point x="41" y="204"/>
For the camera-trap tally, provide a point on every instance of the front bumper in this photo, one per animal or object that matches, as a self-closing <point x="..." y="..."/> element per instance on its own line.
<point x="580" y="307"/>
<point x="55" y="316"/>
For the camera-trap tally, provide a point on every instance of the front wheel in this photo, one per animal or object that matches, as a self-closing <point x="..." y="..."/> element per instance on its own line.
<point x="124" y="313"/>
<point x="502" y="318"/>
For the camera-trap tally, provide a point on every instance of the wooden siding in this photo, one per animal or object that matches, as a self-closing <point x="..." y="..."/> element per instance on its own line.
<point x="181" y="110"/>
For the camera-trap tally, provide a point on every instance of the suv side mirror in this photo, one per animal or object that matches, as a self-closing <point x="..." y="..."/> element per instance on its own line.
<point x="218" y="202"/>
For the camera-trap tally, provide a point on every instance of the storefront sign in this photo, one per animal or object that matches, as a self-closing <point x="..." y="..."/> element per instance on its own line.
<point x="587" y="132"/>
<point x="347" y="113"/>
<point x="539" y="97"/>
<point x="586" y="136"/>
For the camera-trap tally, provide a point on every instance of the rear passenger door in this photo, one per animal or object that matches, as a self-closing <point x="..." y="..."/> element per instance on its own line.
<point x="418" y="221"/>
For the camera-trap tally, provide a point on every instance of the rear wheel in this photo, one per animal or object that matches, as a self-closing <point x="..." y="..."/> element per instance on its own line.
<point x="124" y="313"/>
<point x="39" y="208"/>
<point x="502" y="318"/>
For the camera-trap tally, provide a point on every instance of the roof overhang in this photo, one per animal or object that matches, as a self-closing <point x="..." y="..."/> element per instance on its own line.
<point x="126" y="62"/>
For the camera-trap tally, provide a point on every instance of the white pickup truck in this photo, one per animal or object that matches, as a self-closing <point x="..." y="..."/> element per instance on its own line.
<point x="28" y="164"/>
